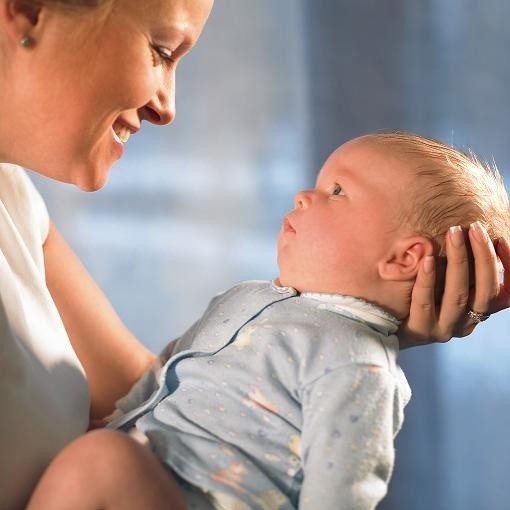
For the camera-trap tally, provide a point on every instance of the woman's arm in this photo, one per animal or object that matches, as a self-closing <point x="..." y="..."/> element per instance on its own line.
<point x="112" y="357"/>
<point x="427" y="323"/>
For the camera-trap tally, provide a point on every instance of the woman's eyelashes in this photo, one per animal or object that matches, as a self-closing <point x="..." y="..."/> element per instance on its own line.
<point x="164" y="55"/>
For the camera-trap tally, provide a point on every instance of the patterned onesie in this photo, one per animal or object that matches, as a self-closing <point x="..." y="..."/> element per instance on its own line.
<point x="277" y="400"/>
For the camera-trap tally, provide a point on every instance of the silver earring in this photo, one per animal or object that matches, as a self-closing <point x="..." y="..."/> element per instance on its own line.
<point x="26" y="41"/>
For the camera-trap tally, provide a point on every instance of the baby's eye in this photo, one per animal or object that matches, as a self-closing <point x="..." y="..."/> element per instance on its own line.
<point x="337" y="190"/>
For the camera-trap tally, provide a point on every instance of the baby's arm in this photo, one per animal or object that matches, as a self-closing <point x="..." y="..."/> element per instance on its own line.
<point x="347" y="439"/>
<point x="145" y="386"/>
<point x="150" y="381"/>
<point x="139" y="392"/>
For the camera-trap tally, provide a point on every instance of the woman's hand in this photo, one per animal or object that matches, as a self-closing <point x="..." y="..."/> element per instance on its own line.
<point x="428" y="323"/>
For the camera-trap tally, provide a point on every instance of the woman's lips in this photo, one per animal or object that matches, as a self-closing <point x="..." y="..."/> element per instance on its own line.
<point x="119" y="145"/>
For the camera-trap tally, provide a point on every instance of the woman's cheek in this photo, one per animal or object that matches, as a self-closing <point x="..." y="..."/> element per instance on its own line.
<point x="139" y="82"/>
<point x="142" y="89"/>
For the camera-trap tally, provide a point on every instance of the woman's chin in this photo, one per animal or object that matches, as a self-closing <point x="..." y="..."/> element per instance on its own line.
<point x="89" y="178"/>
<point x="91" y="186"/>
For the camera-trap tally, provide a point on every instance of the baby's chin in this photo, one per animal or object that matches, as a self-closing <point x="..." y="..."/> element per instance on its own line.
<point x="310" y="284"/>
<point x="285" y="282"/>
<point x="278" y="282"/>
<point x="299" y="287"/>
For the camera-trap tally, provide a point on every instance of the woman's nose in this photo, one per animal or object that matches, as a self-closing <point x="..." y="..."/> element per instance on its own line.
<point x="161" y="108"/>
<point x="303" y="199"/>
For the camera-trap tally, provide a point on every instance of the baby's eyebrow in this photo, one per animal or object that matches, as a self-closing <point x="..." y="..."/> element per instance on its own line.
<point x="330" y="180"/>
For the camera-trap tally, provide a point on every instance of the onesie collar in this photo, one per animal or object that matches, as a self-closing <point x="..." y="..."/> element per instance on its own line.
<point x="352" y="307"/>
<point x="358" y="309"/>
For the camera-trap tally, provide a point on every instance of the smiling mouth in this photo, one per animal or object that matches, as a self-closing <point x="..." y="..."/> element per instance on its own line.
<point x="121" y="132"/>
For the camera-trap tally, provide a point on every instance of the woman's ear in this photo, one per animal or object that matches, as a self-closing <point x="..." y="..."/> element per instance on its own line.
<point x="19" y="17"/>
<point x="404" y="259"/>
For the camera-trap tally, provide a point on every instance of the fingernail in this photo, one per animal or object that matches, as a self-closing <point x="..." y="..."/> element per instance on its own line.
<point x="503" y="244"/>
<point x="428" y="264"/>
<point x="457" y="236"/>
<point x="479" y="232"/>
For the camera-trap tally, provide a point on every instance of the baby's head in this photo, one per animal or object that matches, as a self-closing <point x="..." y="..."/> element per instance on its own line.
<point x="383" y="202"/>
<point x="449" y="188"/>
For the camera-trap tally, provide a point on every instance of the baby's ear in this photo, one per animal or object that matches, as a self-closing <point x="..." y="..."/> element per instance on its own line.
<point x="404" y="258"/>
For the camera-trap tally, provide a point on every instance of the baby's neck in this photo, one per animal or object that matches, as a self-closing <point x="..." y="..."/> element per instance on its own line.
<point x="393" y="297"/>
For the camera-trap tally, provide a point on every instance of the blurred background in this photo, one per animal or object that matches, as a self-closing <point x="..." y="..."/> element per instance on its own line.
<point x="270" y="90"/>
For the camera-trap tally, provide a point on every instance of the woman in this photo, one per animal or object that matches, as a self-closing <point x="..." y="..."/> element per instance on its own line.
<point x="77" y="78"/>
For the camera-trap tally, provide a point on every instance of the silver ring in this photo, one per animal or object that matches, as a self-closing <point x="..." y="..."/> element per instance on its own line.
<point x="477" y="317"/>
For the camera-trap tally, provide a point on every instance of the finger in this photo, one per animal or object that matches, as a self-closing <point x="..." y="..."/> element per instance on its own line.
<point x="503" y="299"/>
<point x="503" y="251"/>
<point x="456" y="291"/>
<point x="486" y="269"/>
<point x="422" y="312"/>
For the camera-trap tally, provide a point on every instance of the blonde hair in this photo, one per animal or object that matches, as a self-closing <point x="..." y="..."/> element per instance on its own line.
<point x="452" y="188"/>
<point x="68" y="3"/>
<point x="101" y="7"/>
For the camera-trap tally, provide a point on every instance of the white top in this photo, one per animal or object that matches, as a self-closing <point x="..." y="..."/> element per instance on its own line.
<point x="44" y="397"/>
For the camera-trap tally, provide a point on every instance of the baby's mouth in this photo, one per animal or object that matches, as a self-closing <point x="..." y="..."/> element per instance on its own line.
<point x="287" y="227"/>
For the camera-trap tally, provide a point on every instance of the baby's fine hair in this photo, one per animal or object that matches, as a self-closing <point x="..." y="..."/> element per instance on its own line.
<point x="452" y="188"/>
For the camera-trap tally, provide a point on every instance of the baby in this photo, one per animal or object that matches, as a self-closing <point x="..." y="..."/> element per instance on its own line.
<point x="287" y="394"/>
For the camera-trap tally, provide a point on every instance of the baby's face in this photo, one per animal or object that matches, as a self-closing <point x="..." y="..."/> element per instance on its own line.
<point x="338" y="232"/>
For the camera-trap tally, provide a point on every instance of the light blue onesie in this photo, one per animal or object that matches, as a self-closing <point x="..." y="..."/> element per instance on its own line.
<point x="275" y="400"/>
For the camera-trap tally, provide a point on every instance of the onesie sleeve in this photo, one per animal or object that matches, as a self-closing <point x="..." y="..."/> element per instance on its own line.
<point x="347" y="438"/>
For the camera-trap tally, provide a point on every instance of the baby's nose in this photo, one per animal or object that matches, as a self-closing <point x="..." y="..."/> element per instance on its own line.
<point x="303" y="200"/>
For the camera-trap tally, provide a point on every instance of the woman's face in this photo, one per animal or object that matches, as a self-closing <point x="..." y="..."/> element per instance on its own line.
<point x="89" y="81"/>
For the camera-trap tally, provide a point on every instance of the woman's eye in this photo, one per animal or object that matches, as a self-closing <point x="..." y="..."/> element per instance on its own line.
<point x="164" y="54"/>
<point x="337" y="190"/>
